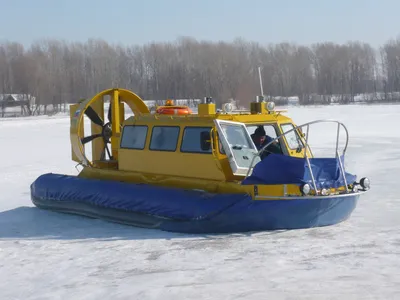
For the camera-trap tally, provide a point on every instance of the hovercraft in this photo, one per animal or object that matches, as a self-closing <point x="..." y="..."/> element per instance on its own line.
<point x="210" y="172"/>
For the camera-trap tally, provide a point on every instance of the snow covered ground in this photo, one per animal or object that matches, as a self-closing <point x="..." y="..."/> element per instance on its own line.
<point x="46" y="255"/>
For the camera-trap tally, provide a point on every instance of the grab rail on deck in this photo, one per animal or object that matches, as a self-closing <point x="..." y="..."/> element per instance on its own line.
<point x="307" y="146"/>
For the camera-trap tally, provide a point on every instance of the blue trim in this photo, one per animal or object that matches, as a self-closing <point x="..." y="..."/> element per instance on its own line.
<point x="184" y="211"/>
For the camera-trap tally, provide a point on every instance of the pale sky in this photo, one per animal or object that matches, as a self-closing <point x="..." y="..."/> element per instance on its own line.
<point x="137" y="22"/>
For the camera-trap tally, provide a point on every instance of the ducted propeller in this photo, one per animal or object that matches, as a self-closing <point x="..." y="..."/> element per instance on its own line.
<point x="104" y="125"/>
<point x="106" y="132"/>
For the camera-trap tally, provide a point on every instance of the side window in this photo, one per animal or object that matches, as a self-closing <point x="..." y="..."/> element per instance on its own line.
<point x="191" y="139"/>
<point x="134" y="137"/>
<point x="164" y="138"/>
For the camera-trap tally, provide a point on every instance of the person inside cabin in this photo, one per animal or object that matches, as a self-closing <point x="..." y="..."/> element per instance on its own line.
<point x="260" y="139"/>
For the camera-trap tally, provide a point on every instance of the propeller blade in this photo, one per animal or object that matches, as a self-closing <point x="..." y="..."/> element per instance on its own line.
<point x="93" y="116"/>
<point x="109" y="112"/>
<point x="108" y="151"/>
<point x="90" y="138"/>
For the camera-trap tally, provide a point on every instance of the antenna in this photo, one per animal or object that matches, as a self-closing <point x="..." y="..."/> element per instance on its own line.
<point x="261" y="84"/>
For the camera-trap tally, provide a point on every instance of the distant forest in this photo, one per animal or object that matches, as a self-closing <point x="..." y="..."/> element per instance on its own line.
<point x="57" y="72"/>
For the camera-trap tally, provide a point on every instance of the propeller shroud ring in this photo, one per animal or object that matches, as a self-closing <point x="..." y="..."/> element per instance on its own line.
<point x="110" y="130"/>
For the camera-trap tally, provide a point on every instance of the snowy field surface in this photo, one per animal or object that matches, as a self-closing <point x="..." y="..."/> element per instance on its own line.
<point x="46" y="255"/>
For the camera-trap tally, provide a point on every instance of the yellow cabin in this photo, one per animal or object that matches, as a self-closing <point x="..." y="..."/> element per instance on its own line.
<point x="183" y="149"/>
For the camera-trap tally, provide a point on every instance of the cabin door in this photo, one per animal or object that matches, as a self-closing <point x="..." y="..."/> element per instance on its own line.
<point x="238" y="146"/>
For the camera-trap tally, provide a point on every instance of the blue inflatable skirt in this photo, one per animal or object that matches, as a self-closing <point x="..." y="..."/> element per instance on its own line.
<point x="185" y="211"/>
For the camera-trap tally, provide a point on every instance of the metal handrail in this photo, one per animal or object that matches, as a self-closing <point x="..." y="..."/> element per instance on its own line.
<point x="307" y="146"/>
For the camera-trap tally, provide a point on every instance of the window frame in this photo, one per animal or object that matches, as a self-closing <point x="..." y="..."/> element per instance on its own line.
<point x="236" y="169"/>
<point x="183" y="136"/>
<point x="177" y="138"/>
<point x="145" y="139"/>
<point x="220" y="147"/>
<point x="295" y="132"/>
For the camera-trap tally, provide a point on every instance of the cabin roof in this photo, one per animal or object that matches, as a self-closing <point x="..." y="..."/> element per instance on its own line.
<point x="207" y="120"/>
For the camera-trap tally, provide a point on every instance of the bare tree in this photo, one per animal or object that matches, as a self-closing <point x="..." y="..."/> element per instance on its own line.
<point x="56" y="72"/>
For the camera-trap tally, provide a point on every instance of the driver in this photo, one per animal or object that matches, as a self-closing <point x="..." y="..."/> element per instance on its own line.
<point x="260" y="139"/>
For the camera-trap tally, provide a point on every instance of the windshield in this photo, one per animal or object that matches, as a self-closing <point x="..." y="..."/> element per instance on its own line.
<point x="268" y="128"/>
<point x="292" y="138"/>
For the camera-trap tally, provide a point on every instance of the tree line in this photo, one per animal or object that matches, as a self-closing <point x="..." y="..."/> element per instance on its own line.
<point x="57" y="72"/>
